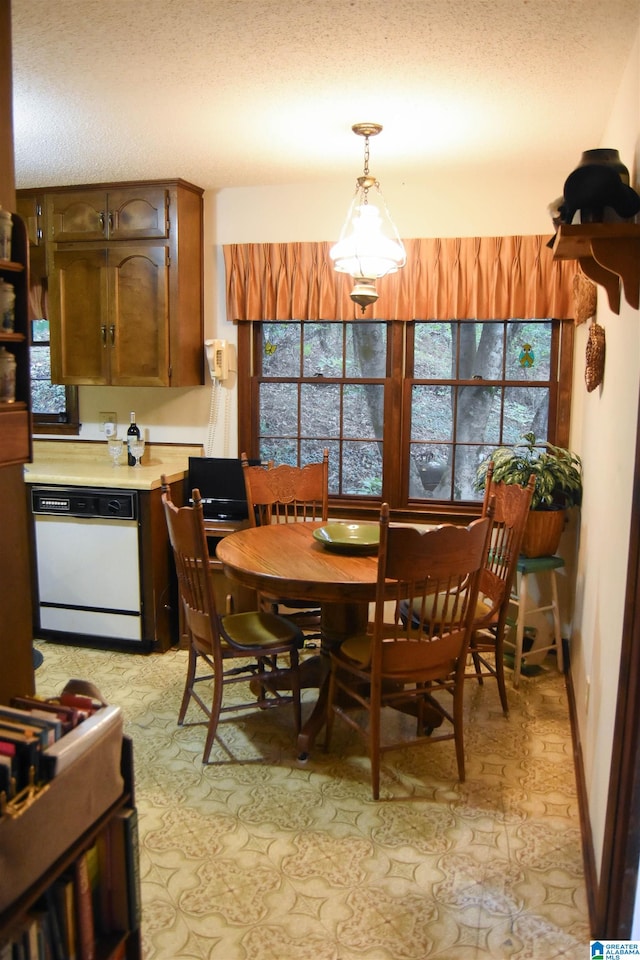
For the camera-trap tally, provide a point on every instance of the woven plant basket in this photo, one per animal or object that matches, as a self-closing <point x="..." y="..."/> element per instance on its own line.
<point x="595" y="353"/>
<point x="542" y="533"/>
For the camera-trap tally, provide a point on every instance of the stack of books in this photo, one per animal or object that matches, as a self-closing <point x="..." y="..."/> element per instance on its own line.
<point x="41" y="737"/>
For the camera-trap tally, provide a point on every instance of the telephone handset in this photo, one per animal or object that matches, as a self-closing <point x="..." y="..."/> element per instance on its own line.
<point x="221" y="358"/>
<point x="218" y="358"/>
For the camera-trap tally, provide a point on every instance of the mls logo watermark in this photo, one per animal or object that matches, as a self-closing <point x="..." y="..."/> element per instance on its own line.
<point x="614" y="949"/>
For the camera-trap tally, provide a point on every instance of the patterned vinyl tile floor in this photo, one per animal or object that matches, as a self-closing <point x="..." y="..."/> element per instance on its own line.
<point x="258" y="857"/>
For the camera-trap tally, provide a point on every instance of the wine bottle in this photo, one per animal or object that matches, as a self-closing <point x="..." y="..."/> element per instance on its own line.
<point x="133" y="433"/>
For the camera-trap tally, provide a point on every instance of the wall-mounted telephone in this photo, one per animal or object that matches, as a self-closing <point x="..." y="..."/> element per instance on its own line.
<point x="218" y="358"/>
<point x="221" y="358"/>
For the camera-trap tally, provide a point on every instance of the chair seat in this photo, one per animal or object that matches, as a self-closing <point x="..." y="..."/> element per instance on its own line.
<point x="258" y="629"/>
<point x="357" y="648"/>
<point x="434" y="609"/>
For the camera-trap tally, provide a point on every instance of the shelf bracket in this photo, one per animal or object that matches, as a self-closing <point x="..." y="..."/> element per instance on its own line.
<point x="623" y="260"/>
<point x="604" y="278"/>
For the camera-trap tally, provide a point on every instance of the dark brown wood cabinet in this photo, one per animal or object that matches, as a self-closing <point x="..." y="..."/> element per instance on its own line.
<point x="31" y="209"/>
<point x="131" y="213"/>
<point x="109" y="315"/>
<point x="16" y="633"/>
<point x="125" y="292"/>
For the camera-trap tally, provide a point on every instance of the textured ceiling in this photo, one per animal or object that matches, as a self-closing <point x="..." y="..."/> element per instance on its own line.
<point x="255" y="92"/>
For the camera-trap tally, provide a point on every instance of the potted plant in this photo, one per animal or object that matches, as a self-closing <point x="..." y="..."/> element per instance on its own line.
<point x="558" y="474"/>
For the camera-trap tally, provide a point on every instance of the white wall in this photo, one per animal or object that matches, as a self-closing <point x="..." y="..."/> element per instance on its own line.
<point x="604" y="427"/>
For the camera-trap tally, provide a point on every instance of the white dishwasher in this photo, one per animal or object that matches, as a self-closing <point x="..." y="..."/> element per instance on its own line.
<point x="88" y="564"/>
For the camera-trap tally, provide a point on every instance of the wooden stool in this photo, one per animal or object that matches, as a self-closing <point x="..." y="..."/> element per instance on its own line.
<point x="526" y="567"/>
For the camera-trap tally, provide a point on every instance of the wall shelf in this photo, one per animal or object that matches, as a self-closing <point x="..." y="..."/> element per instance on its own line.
<point x="608" y="253"/>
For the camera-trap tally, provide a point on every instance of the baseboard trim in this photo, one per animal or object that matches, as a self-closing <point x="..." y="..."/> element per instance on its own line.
<point x="588" y="855"/>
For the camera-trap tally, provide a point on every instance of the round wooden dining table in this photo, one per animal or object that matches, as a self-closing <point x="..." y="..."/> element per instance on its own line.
<point x="286" y="560"/>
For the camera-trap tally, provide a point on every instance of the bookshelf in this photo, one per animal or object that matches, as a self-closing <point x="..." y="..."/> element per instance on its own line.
<point x="90" y="894"/>
<point x="15" y="417"/>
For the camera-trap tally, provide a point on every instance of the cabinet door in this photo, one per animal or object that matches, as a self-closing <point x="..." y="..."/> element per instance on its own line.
<point x="138" y="331"/>
<point x="79" y="323"/>
<point x="127" y="214"/>
<point x="31" y="209"/>
<point x="137" y="214"/>
<point x="78" y="215"/>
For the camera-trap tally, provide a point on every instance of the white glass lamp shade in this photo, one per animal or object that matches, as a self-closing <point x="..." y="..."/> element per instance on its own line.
<point x="369" y="245"/>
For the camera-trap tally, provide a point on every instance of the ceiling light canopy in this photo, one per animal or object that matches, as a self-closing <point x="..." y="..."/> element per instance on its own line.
<point x="369" y="246"/>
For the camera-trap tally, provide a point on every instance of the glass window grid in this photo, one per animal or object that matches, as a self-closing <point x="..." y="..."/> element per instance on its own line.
<point x="301" y="443"/>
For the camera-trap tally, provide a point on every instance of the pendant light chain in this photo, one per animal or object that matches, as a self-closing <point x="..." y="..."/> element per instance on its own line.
<point x="366" y="168"/>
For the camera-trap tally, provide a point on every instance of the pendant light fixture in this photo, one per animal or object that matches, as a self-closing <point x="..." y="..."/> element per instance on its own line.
<point x="369" y="246"/>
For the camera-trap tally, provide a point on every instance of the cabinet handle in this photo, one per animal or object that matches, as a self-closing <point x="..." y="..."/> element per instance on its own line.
<point x="103" y="334"/>
<point x="101" y="219"/>
<point x="112" y="333"/>
<point x="110" y="221"/>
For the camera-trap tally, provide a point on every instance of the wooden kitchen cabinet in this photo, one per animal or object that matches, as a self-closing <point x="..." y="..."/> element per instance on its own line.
<point x="111" y="310"/>
<point x="125" y="289"/>
<point x="31" y="209"/>
<point x="130" y="213"/>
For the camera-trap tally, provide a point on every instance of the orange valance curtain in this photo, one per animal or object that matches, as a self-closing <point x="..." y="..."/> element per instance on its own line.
<point x="482" y="278"/>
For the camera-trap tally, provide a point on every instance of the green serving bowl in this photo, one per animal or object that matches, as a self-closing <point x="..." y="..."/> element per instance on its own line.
<point x="349" y="537"/>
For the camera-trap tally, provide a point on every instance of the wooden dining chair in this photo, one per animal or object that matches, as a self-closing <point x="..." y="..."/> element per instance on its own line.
<point x="286" y="494"/>
<point x="510" y="505"/>
<point x="253" y="640"/>
<point x="415" y="664"/>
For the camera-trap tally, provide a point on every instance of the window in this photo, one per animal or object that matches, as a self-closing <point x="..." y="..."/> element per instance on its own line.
<point x="54" y="406"/>
<point x="407" y="410"/>
<point x="475" y="386"/>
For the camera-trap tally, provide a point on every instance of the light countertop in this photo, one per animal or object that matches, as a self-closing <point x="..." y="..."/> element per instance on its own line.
<point x="86" y="463"/>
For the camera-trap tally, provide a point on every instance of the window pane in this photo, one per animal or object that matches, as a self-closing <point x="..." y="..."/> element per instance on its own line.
<point x="361" y="469"/>
<point x="428" y="471"/>
<point x="40" y="363"/>
<point x="478" y="411"/>
<point x="311" y="451"/>
<point x="528" y="350"/>
<point x="433" y="351"/>
<point x="431" y="413"/>
<point x="363" y="411"/>
<point x="481" y="350"/>
<point x="366" y="350"/>
<point x="281" y="350"/>
<point x="322" y="350"/>
<point x="279" y="410"/>
<point x="320" y="410"/>
<point x="45" y="396"/>
<point x="526" y="410"/>
<point x="279" y="451"/>
<point x="467" y="461"/>
<point x="40" y="331"/>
